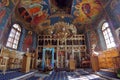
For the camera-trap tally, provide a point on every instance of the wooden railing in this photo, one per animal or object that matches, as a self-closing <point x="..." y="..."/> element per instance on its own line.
<point x="116" y="62"/>
<point x="10" y="59"/>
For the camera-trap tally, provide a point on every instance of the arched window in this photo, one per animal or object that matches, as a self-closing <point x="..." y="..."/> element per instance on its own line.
<point x="14" y="36"/>
<point x="108" y="35"/>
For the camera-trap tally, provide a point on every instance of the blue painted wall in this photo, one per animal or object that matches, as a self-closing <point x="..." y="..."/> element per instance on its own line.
<point x="6" y="24"/>
<point x="23" y="33"/>
<point x="112" y="16"/>
<point x="54" y="20"/>
<point x="113" y="11"/>
<point x="5" y="19"/>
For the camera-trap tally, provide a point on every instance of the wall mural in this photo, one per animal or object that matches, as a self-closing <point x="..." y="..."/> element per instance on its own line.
<point x="117" y="31"/>
<point x="2" y="14"/>
<point x="35" y="10"/>
<point x="93" y="38"/>
<point x="48" y="24"/>
<point x="104" y="2"/>
<point x="61" y="6"/>
<point x="61" y="19"/>
<point x="5" y="2"/>
<point x="34" y="40"/>
<point x="6" y="6"/>
<point x="87" y="10"/>
<point x="77" y="11"/>
<point x="39" y="18"/>
<point x="115" y="11"/>
<point x="28" y="41"/>
<point x="20" y="46"/>
<point x="82" y="11"/>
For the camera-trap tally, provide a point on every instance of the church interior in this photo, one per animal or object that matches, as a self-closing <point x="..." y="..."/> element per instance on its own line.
<point x="59" y="39"/>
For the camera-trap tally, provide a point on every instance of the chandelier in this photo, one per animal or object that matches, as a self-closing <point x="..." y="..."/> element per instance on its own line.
<point x="62" y="30"/>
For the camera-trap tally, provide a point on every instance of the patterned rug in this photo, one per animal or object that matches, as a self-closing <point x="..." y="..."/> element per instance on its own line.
<point x="76" y="75"/>
<point x="33" y="78"/>
<point x="108" y="74"/>
<point x="11" y="74"/>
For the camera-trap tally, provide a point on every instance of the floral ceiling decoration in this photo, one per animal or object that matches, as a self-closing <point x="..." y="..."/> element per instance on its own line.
<point x="87" y="10"/>
<point x="35" y="13"/>
<point x="34" y="10"/>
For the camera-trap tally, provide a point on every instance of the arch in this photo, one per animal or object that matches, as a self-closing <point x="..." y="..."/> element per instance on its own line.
<point x="108" y="36"/>
<point x="14" y="36"/>
<point x="101" y="23"/>
<point x="44" y="60"/>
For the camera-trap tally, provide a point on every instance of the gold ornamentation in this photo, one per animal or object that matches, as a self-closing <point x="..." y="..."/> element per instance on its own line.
<point x="63" y="30"/>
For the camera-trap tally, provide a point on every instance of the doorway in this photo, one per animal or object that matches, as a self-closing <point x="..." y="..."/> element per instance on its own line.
<point x="48" y="58"/>
<point x="77" y="58"/>
<point x="61" y="59"/>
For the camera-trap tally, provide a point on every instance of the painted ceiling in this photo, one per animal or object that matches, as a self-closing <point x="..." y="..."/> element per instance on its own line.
<point x="48" y="12"/>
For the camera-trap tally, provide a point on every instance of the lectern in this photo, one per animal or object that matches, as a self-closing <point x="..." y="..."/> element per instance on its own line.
<point x="94" y="63"/>
<point x="26" y="62"/>
<point x="72" y="63"/>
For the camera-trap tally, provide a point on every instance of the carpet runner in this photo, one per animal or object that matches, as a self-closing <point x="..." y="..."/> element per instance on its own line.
<point x="33" y="78"/>
<point x="12" y="74"/>
<point x="109" y="75"/>
<point x="77" y="75"/>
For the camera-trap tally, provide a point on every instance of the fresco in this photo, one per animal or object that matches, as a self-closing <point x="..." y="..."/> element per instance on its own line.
<point x="14" y="2"/>
<point x="115" y="10"/>
<point x="0" y="35"/>
<point x="35" y="10"/>
<point x="39" y="18"/>
<point x="93" y="38"/>
<point x="60" y="6"/>
<point x="28" y="40"/>
<point x="6" y="7"/>
<point x="24" y="14"/>
<point x="34" y="40"/>
<point x="22" y="36"/>
<point x="104" y="2"/>
<point x="2" y="14"/>
<point x="29" y="2"/>
<point x="87" y="10"/>
<point x="5" y="2"/>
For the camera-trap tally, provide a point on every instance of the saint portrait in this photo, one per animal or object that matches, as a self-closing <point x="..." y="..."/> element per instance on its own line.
<point x="28" y="41"/>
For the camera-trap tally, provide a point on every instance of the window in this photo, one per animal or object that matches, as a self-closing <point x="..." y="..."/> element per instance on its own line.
<point x="108" y="35"/>
<point x="14" y="36"/>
